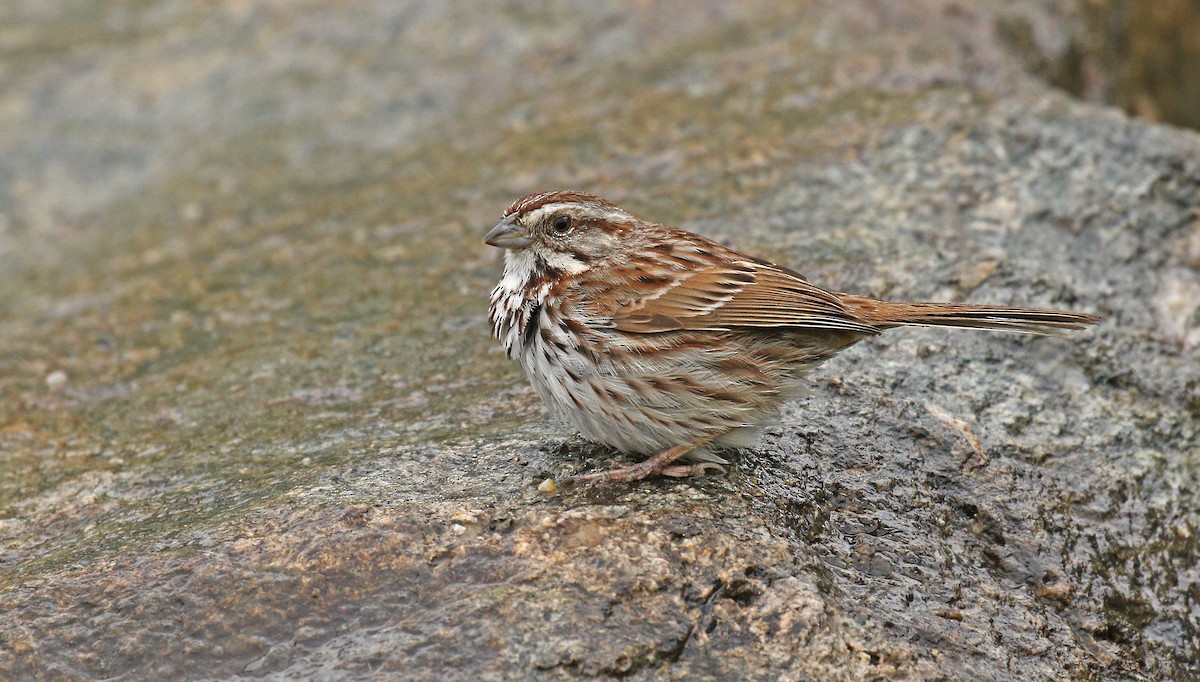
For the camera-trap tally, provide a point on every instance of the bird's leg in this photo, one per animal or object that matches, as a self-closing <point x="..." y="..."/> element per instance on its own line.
<point x="697" y="469"/>
<point x="659" y="463"/>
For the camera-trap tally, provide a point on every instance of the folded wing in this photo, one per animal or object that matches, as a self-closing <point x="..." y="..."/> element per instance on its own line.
<point x="739" y="294"/>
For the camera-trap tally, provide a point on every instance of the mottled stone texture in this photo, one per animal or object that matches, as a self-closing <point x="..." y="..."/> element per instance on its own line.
<point x="251" y="423"/>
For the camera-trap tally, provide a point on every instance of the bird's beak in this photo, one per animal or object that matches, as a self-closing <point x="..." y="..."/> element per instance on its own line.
<point x="508" y="235"/>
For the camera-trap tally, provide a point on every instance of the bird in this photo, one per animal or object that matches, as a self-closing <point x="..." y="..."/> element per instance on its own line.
<point x="671" y="347"/>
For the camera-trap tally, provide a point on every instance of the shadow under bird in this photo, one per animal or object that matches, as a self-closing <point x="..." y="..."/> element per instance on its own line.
<point x="664" y="344"/>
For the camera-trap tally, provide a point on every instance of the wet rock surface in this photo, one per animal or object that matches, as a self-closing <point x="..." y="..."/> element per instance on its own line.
<point x="253" y="425"/>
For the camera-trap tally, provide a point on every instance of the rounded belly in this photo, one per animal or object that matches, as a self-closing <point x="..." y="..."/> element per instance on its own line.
<point x="643" y="412"/>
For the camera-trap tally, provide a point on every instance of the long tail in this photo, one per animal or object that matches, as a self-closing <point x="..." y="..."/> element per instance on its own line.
<point x="885" y="315"/>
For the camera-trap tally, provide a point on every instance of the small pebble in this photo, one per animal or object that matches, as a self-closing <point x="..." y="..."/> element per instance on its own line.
<point x="548" y="486"/>
<point x="56" y="379"/>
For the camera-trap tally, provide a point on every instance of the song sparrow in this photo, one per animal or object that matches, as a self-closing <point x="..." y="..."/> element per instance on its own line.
<point x="656" y="341"/>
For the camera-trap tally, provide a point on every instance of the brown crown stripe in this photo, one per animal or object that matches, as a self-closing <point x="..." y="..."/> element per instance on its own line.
<point x="534" y="201"/>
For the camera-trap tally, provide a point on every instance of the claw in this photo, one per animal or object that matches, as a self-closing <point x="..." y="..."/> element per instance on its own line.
<point x="627" y="474"/>
<point x="660" y="463"/>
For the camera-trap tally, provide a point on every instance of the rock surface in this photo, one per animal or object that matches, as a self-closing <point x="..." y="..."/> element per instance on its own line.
<point x="252" y="423"/>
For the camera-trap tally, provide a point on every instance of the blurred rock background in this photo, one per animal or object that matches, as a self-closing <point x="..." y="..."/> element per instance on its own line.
<point x="1141" y="55"/>
<point x="252" y="424"/>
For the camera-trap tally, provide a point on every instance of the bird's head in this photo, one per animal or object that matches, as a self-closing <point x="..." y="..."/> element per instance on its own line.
<point x="565" y="230"/>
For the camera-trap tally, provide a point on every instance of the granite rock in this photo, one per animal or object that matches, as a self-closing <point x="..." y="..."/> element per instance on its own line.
<point x="252" y="424"/>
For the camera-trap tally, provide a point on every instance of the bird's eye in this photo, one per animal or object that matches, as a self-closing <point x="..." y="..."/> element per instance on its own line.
<point x="561" y="225"/>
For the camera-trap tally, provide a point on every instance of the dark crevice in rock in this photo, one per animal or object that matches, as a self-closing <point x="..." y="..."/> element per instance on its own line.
<point x="1140" y="55"/>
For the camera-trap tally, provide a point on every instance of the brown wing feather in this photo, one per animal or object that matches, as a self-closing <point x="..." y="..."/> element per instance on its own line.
<point x="739" y="294"/>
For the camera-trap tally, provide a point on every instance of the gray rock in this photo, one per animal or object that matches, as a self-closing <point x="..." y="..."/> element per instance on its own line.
<point x="287" y="448"/>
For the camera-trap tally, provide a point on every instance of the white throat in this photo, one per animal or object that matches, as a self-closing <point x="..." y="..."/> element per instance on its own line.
<point x="511" y="304"/>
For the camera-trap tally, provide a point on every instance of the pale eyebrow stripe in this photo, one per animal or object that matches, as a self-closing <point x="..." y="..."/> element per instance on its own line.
<point x="537" y="213"/>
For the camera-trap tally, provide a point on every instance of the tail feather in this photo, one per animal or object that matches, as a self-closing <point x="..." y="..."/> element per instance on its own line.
<point x="884" y="314"/>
